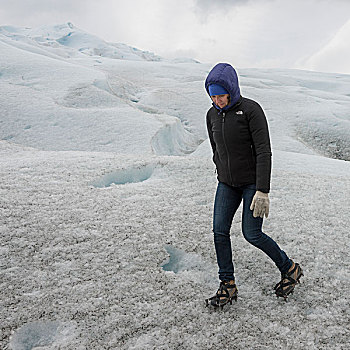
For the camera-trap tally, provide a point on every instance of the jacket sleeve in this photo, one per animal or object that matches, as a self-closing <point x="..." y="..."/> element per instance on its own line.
<point x="261" y="147"/>
<point x="210" y="133"/>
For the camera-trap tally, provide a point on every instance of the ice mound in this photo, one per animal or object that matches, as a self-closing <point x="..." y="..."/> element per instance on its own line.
<point x="173" y="139"/>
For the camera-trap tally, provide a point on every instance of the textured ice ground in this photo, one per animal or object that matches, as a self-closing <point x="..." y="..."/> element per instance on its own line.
<point x="105" y="223"/>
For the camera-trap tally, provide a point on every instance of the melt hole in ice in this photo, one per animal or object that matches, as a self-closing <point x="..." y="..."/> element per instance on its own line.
<point x="124" y="176"/>
<point x="40" y="334"/>
<point x="181" y="261"/>
<point x="194" y="265"/>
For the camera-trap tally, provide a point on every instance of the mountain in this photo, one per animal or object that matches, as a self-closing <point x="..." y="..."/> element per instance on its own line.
<point x="66" y="40"/>
<point x="335" y="56"/>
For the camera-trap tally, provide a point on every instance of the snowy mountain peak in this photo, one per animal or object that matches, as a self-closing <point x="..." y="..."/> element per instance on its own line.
<point x="66" y="40"/>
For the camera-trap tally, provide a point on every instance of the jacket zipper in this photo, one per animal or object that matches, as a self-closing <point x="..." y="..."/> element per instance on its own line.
<point x="228" y="156"/>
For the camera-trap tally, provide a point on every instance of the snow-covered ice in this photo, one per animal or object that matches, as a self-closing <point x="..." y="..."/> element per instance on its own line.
<point x="106" y="196"/>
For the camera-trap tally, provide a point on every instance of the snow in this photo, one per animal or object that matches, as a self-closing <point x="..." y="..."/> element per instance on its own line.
<point x="106" y="197"/>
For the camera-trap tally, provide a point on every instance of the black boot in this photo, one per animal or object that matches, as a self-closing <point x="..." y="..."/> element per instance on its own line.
<point x="288" y="281"/>
<point x="226" y="293"/>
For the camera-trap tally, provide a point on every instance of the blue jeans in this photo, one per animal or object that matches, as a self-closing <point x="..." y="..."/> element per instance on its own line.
<point x="227" y="201"/>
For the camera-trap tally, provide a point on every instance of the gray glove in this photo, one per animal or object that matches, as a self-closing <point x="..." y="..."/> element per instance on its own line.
<point x="260" y="204"/>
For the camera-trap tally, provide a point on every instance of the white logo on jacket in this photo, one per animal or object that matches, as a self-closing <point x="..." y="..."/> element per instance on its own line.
<point x="239" y="112"/>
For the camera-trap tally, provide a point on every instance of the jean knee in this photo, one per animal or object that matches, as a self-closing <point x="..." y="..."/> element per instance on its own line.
<point x="221" y="227"/>
<point x="253" y="236"/>
<point x="221" y="236"/>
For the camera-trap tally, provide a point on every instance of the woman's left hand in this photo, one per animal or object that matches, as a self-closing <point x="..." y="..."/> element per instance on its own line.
<point x="260" y="204"/>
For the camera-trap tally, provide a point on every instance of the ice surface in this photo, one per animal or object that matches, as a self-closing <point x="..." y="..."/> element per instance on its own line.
<point x="81" y="266"/>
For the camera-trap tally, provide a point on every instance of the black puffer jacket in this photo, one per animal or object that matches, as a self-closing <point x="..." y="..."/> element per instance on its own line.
<point x="240" y="141"/>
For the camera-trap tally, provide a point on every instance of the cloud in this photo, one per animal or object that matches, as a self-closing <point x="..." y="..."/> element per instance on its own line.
<point x="274" y="33"/>
<point x="207" y="7"/>
<point x="35" y="6"/>
<point x="16" y="8"/>
<point x="37" y="12"/>
<point x="219" y="3"/>
<point x="223" y="3"/>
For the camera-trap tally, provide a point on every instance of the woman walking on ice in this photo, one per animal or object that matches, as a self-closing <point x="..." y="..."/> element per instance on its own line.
<point x="240" y="141"/>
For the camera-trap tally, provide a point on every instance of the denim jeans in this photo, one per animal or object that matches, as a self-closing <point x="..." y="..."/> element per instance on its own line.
<point x="227" y="201"/>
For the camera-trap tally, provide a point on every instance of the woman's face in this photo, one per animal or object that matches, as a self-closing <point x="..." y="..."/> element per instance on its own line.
<point x="221" y="100"/>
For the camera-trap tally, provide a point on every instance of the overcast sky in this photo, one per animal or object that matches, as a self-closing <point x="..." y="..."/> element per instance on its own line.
<point x="306" y="34"/>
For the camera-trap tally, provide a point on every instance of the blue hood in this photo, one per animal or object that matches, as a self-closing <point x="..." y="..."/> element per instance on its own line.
<point x="225" y="75"/>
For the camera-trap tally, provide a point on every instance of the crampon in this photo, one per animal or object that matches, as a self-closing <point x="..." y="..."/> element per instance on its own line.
<point x="288" y="281"/>
<point x="225" y="294"/>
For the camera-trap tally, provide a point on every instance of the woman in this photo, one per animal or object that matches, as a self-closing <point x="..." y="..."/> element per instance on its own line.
<point x="239" y="138"/>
